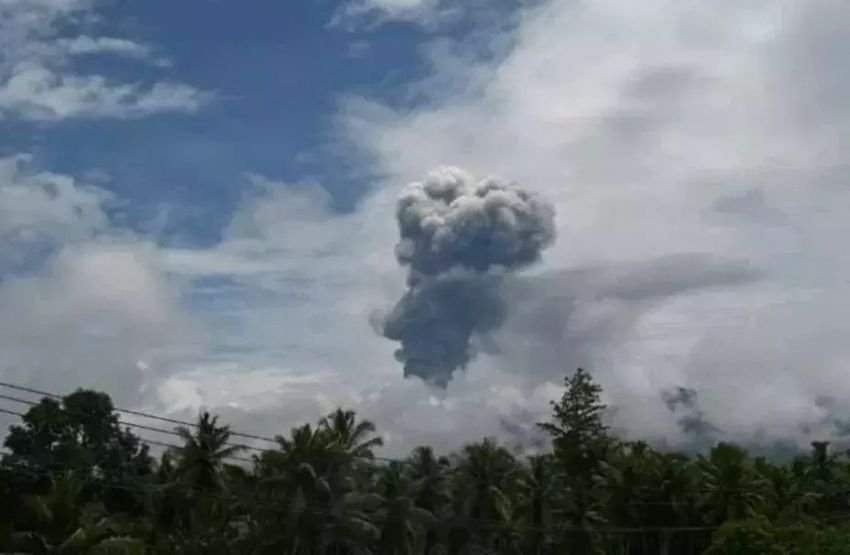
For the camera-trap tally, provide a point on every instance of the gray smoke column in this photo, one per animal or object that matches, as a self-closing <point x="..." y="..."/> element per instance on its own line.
<point x="459" y="238"/>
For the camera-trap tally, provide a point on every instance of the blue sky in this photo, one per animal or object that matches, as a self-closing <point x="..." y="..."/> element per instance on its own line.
<point x="277" y="72"/>
<point x="197" y="206"/>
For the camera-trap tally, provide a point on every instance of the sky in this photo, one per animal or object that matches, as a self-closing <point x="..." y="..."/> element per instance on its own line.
<point x="200" y="212"/>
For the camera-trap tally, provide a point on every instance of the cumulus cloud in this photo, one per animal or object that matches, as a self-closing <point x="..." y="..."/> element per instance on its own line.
<point x="39" y="42"/>
<point x="40" y="209"/>
<point x="698" y="196"/>
<point x="82" y="304"/>
<point x="281" y="287"/>
<point x="693" y="156"/>
<point x="38" y="93"/>
<point x="288" y="295"/>
<point x="98" y="316"/>
<point x="292" y="341"/>
<point x="700" y="181"/>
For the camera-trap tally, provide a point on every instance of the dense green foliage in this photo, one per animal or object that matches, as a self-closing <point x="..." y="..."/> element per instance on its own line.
<point x="72" y="480"/>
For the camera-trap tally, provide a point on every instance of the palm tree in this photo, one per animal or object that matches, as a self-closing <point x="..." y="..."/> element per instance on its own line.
<point x="353" y="443"/>
<point x="403" y="522"/>
<point x="309" y="506"/>
<point x="538" y="484"/>
<point x="429" y="474"/>
<point x="312" y="475"/>
<point x="199" y="486"/>
<point x="349" y="528"/>
<point x="485" y="476"/>
<point x="201" y="459"/>
<point x="62" y="522"/>
<point x="678" y="504"/>
<point x="641" y="487"/>
<point x="319" y="521"/>
<point x="295" y="477"/>
<point x="430" y="478"/>
<point x="731" y="486"/>
<point x="623" y="481"/>
<point x="786" y="498"/>
<point x="354" y="438"/>
<point x="305" y="445"/>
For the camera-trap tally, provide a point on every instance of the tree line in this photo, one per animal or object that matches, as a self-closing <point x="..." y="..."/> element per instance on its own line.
<point x="73" y="480"/>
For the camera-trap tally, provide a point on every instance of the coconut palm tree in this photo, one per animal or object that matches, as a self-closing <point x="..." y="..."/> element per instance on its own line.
<point x="312" y="476"/>
<point x="430" y="478"/>
<point x="538" y="486"/>
<point x="404" y="525"/>
<point x="293" y="494"/>
<point x="199" y="487"/>
<point x="319" y="521"/>
<point x="62" y="522"/>
<point x="731" y="486"/>
<point x="306" y="445"/>
<point x="429" y="474"/>
<point x="349" y="529"/>
<point x="307" y="511"/>
<point x="355" y="438"/>
<point x="202" y="457"/>
<point x="677" y="504"/>
<point x="485" y="476"/>
<point x="785" y="496"/>
<point x="354" y="443"/>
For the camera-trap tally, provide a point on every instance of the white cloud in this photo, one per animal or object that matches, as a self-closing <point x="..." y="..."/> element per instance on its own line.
<point x="699" y="193"/>
<point x="300" y="281"/>
<point x="96" y="316"/>
<point x="82" y="304"/>
<point x="41" y="209"/>
<point x="659" y="129"/>
<point x="423" y="12"/>
<point x="694" y="156"/>
<point x="470" y="17"/>
<point x="84" y="44"/>
<point x="37" y="93"/>
<point x="39" y="42"/>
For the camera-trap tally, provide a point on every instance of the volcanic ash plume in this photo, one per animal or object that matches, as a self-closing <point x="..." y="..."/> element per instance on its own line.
<point x="459" y="238"/>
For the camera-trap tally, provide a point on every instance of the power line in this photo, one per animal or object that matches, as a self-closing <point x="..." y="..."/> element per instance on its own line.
<point x="151" y="416"/>
<point x="142" y="439"/>
<point x="140" y="426"/>
<point x="137" y="413"/>
<point x="134" y="424"/>
<point x="631" y="502"/>
<point x="13" y="413"/>
<point x="644" y="489"/>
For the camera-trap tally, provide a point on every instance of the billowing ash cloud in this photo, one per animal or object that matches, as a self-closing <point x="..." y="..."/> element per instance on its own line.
<point x="459" y="237"/>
